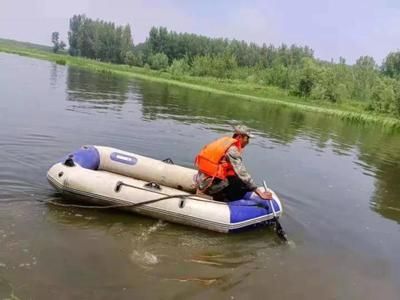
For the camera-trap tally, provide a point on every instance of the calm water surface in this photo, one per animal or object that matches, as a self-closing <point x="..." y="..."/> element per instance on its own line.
<point x="339" y="183"/>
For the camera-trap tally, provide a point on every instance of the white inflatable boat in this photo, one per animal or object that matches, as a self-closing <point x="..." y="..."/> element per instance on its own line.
<point x="107" y="176"/>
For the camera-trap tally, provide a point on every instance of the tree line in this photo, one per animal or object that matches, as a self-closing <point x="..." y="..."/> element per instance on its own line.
<point x="99" y="39"/>
<point x="292" y="68"/>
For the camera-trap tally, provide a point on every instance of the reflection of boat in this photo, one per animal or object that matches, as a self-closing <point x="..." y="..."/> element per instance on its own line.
<point x="108" y="176"/>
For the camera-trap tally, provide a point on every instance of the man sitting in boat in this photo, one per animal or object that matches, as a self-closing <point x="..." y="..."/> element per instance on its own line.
<point x="222" y="173"/>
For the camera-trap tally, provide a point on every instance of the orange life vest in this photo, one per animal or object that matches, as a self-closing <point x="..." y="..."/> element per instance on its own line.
<point x="211" y="159"/>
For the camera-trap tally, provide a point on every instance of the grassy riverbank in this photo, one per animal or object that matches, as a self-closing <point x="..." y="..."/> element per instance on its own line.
<point x="348" y="110"/>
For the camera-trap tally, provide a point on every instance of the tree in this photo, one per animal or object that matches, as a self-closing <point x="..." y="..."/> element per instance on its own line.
<point x="383" y="96"/>
<point x="75" y="24"/>
<point x="201" y="65"/>
<point x="62" y="45"/>
<point x="86" y="38"/>
<point x="54" y="40"/>
<point x="57" y="45"/>
<point x="391" y="65"/>
<point x="99" y="39"/>
<point x="307" y="78"/>
<point x="134" y="59"/>
<point x="158" y="61"/>
<point x="179" y="67"/>
<point x="365" y="75"/>
<point x="126" y="42"/>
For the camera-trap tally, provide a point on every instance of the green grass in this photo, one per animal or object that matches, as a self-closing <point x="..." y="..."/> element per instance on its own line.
<point x="348" y="110"/>
<point x="26" y="45"/>
<point x="61" y="62"/>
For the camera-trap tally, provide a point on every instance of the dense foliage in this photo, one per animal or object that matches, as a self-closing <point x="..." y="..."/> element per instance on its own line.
<point x="99" y="39"/>
<point x="291" y="68"/>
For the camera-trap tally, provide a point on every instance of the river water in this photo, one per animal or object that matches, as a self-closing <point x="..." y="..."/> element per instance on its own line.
<point x="338" y="181"/>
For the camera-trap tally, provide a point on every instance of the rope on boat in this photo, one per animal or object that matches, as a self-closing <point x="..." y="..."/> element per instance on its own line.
<point x="114" y="205"/>
<point x="151" y="186"/>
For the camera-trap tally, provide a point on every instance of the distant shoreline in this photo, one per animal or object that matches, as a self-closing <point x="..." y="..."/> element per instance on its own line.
<point x="241" y="90"/>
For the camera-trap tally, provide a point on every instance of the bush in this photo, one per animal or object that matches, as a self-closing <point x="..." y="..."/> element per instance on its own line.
<point x="397" y="98"/>
<point x="219" y="66"/>
<point x="134" y="59"/>
<point x="223" y="65"/>
<point x="61" y="61"/>
<point x="179" y="67"/>
<point x="201" y="65"/>
<point x="146" y="67"/>
<point x="158" y="61"/>
<point x="383" y="97"/>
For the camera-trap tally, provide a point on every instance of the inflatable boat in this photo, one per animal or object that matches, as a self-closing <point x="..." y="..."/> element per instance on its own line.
<point x="105" y="176"/>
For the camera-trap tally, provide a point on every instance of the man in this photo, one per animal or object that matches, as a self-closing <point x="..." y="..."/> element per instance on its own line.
<point x="222" y="173"/>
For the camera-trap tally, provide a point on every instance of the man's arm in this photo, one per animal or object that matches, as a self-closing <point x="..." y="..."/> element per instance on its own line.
<point x="235" y="158"/>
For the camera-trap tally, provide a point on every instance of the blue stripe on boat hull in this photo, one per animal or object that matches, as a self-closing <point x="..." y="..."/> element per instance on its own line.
<point x="244" y="209"/>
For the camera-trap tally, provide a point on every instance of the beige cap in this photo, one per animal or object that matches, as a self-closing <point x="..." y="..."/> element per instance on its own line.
<point x="243" y="130"/>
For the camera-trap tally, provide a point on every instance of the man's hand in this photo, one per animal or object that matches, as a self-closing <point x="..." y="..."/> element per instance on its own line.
<point x="264" y="195"/>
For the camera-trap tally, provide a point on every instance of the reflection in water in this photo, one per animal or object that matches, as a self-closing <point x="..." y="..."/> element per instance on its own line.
<point x="6" y="290"/>
<point x="101" y="91"/>
<point x="54" y="75"/>
<point x="386" y="199"/>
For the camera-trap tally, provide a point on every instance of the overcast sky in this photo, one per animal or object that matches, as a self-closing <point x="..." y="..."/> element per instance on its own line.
<point x="333" y="28"/>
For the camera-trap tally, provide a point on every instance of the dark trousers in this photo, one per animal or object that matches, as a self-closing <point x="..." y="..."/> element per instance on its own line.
<point x="234" y="191"/>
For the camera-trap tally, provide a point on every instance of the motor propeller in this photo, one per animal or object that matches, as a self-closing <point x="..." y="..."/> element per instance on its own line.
<point x="278" y="227"/>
